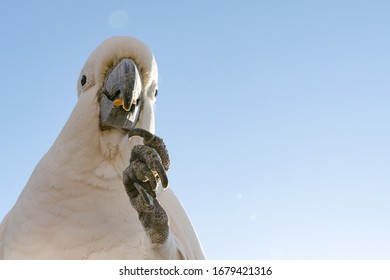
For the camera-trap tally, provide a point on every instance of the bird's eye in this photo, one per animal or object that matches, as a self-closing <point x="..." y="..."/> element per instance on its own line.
<point x="156" y="92"/>
<point x="83" y="80"/>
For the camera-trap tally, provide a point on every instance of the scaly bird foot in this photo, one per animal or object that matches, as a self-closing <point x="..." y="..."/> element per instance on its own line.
<point x="148" y="165"/>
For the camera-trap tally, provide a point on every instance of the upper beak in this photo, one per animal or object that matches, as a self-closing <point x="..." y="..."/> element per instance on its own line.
<point x="123" y="84"/>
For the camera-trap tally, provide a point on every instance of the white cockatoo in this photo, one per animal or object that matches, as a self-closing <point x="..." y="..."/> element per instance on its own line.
<point x="101" y="191"/>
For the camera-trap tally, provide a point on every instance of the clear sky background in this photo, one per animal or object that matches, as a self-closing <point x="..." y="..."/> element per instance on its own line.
<point x="276" y="113"/>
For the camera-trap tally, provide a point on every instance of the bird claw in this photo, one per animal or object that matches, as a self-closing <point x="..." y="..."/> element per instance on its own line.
<point x="148" y="165"/>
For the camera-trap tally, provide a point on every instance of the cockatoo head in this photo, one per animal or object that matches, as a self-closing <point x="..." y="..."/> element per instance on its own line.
<point x="122" y="74"/>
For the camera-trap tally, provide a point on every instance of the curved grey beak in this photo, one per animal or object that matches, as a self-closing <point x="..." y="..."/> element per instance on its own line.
<point x="123" y="84"/>
<point x="120" y="101"/>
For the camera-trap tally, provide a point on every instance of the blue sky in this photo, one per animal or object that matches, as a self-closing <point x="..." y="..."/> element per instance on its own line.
<point x="276" y="113"/>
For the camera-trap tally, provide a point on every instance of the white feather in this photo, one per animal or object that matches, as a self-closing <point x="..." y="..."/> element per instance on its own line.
<point x="74" y="205"/>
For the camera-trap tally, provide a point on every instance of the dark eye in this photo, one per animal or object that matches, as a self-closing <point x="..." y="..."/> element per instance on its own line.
<point x="83" y="80"/>
<point x="156" y="92"/>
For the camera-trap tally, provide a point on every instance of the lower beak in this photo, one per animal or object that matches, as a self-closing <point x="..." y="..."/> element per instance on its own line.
<point x="120" y="102"/>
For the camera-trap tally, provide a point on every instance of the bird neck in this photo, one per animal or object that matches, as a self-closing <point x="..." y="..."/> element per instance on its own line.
<point x="83" y="144"/>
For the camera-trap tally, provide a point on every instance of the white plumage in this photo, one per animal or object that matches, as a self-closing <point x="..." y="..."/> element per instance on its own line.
<point x="74" y="205"/>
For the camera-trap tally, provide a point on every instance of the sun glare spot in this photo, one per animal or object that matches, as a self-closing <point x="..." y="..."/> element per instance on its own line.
<point x="118" y="19"/>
